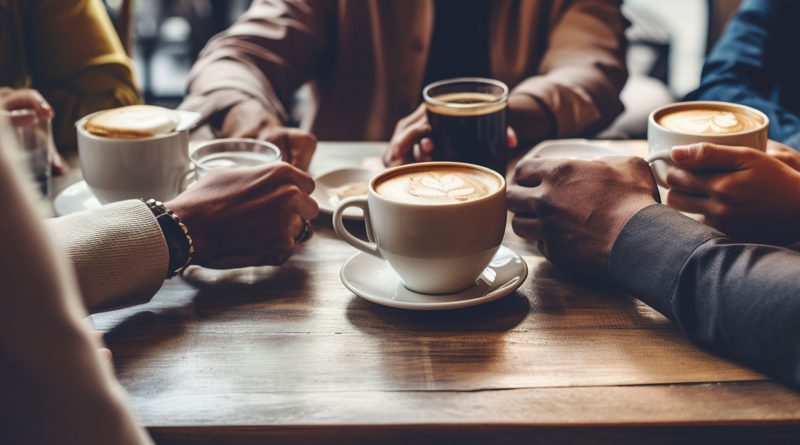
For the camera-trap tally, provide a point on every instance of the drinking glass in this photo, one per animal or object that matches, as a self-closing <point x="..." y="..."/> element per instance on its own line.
<point x="35" y="138"/>
<point x="232" y="152"/>
<point x="468" y="121"/>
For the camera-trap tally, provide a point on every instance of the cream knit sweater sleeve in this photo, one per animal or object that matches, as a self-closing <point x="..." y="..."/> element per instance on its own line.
<point x="118" y="252"/>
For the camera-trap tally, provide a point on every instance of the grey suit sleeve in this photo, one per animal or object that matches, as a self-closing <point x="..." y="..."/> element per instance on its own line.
<point x="735" y="299"/>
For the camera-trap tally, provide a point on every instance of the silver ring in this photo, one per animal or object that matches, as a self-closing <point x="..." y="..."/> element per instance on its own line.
<point x="305" y="234"/>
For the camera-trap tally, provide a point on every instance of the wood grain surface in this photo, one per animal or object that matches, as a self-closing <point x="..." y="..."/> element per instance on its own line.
<point x="289" y="355"/>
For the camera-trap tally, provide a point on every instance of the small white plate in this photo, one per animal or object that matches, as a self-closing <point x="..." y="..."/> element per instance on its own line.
<point x="75" y="198"/>
<point x="575" y="149"/>
<point x="337" y="185"/>
<point x="374" y="280"/>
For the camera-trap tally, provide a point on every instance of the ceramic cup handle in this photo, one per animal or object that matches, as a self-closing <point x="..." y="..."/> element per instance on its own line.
<point x="338" y="225"/>
<point x="660" y="156"/>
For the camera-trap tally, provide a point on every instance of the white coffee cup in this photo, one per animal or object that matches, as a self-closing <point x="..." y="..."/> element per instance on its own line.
<point x="116" y="169"/>
<point x="434" y="248"/>
<point x="661" y="139"/>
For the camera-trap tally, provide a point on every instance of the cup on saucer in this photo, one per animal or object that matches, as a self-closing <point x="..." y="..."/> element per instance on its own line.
<point x="140" y="151"/>
<point x="437" y="224"/>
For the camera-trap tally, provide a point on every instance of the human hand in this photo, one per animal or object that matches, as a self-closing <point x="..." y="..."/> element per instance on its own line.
<point x="741" y="191"/>
<point x="576" y="209"/>
<point x="249" y="119"/>
<point x="12" y="101"/>
<point x="784" y="153"/>
<point x="246" y="216"/>
<point x="410" y="141"/>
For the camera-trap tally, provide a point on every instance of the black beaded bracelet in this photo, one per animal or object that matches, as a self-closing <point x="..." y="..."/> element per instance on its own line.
<point x="179" y="242"/>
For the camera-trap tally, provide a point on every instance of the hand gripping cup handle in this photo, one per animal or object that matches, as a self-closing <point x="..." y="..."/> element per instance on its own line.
<point x="338" y="225"/>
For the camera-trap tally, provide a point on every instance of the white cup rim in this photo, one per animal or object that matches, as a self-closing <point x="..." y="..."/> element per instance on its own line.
<point x="422" y="165"/>
<point x="714" y="103"/>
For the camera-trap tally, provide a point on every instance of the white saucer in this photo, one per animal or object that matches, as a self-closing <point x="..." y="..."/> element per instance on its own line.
<point x="575" y="149"/>
<point x="374" y="280"/>
<point x="75" y="198"/>
<point x="329" y="184"/>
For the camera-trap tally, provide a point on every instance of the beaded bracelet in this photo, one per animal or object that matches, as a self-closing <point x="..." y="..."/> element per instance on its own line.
<point x="179" y="242"/>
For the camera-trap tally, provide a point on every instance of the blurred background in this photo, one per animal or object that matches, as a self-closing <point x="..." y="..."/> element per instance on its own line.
<point x="669" y="40"/>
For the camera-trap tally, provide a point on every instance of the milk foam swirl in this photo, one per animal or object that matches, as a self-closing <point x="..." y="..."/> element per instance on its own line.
<point x="438" y="186"/>
<point x="708" y="121"/>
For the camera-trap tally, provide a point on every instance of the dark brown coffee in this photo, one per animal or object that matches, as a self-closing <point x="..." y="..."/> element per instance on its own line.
<point x="469" y="127"/>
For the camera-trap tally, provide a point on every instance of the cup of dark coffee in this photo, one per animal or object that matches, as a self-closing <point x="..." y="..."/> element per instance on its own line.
<point x="687" y="123"/>
<point x="438" y="224"/>
<point x="467" y="116"/>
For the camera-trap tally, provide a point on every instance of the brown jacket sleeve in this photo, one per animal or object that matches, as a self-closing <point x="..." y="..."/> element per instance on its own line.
<point x="583" y="69"/>
<point x="274" y="48"/>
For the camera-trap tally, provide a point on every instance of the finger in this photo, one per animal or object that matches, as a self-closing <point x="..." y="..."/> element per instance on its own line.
<point x="417" y="116"/>
<point x="530" y="171"/>
<point x="105" y="355"/>
<point x="292" y="175"/>
<point x="686" y="202"/>
<point x="707" y="156"/>
<point x="59" y="166"/>
<point x="420" y="155"/>
<point x="528" y="227"/>
<point x="303" y="150"/>
<point x="521" y="199"/>
<point x="685" y="181"/>
<point x="426" y="145"/>
<point x="28" y="99"/>
<point x="403" y="145"/>
<point x="511" y="138"/>
<point x="307" y="208"/>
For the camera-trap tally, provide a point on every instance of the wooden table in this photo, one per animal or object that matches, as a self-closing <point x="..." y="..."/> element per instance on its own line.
<point x="289" y="355"/>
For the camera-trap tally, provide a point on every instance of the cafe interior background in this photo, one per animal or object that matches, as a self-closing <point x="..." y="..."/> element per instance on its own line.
<point x="668" y="42"/>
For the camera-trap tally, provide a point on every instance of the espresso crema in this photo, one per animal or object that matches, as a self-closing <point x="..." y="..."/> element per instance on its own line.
<point x="438" y="185"/>
<point x="709" y="121"/>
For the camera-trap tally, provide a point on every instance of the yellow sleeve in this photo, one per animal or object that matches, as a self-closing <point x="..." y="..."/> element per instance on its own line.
<point x="78" y="62"/>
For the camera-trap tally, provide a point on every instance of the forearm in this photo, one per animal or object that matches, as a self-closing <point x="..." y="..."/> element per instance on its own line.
<point x="275" y="47"/>
<point x="740" y="300"/>
<point x="117" y="251"/>
<point x="582" y="71"/>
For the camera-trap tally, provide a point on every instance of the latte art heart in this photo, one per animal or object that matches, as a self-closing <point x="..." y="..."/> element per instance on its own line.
<point x="708" y="121"/>
<point x="439" y="186"/>
<point x="446" y="185"/>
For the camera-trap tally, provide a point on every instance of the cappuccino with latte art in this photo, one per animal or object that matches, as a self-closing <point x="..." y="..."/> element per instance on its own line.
<point x="687" y="123"/>
<point x="437" y="224"/>
<point x="438" y="185"/>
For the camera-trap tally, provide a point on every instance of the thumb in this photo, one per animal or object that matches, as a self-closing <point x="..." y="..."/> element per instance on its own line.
<point x="705" y="156"/>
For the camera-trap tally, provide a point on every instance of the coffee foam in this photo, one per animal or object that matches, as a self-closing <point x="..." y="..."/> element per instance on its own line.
<point x="135" y="121"/>
<point x="438" y="185"/>
<point x="465" y="104"/>
<point x="709" y="121"/>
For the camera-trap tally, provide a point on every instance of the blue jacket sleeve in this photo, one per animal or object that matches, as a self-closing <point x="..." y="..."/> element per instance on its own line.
<point x="750" y="62"/>
<point x="734" y="299"/>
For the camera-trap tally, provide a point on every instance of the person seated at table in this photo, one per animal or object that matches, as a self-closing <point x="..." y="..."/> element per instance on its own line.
<point x="755" y="63"/>
<point x="602" y="219"/>
<point x="56" y="388"/>
<point x="235" y="218"/>
<point x="369" y="60"/>
<point x="70" y="52"/>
